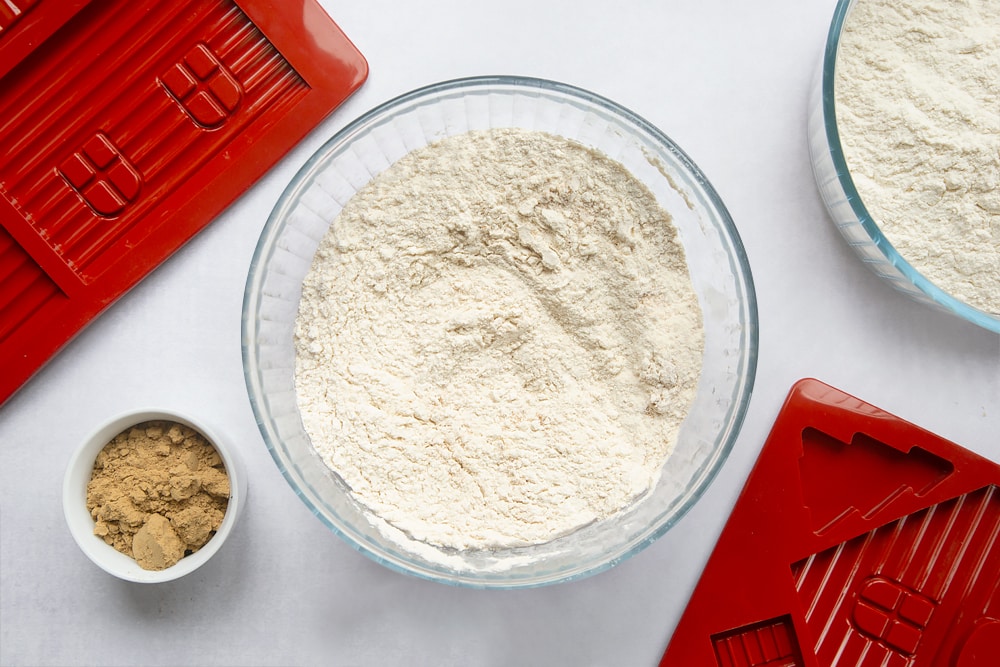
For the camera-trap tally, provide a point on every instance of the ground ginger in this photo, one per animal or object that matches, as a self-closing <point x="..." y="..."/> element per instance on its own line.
<point x="158" y="492"/>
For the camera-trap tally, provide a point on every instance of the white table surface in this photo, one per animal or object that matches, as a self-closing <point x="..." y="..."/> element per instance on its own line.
<point x="728" y="82"/>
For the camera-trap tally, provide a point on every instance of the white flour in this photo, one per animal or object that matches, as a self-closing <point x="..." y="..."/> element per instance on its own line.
<point x="498" y="340"/>
<point x="918" y="108"/>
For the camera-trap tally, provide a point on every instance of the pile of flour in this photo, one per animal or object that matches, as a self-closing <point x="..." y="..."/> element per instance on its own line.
<point x="918" y="110"/>
<point x="498" y="340"/>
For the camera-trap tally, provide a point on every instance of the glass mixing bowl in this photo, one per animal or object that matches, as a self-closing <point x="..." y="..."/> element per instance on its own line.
<point x="718" y="267"/>
<point x="845" y="205"/>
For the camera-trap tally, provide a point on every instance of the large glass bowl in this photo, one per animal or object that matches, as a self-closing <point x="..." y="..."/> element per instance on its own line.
<point x="844" y="203"/>
<point x="369" y="145"/>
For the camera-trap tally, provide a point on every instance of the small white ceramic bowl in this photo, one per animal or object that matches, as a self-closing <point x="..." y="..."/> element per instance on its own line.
<point x="81" y="524"/>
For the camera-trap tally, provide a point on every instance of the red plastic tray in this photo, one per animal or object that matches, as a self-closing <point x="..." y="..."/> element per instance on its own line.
<point x="126" y="126"/>
<point x="859" y="539"/>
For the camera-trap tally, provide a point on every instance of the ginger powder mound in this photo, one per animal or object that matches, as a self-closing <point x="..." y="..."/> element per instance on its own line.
<point x="158" y="492"/>
<point x="498" y="341"/>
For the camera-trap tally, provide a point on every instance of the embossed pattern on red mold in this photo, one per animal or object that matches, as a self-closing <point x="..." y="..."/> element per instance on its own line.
<point x="767" y="644"/>
<point x="128" y="130"/>
<point x="859" y="539"/>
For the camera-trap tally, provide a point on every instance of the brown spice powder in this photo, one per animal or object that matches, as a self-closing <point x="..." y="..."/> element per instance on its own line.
<point x="158" y="492"/>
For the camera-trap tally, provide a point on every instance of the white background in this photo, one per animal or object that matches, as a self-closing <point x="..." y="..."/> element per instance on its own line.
<point x="728" y="81"/>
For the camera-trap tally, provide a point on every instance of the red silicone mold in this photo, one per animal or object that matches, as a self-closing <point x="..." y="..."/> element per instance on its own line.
<point x="126" y="126"/>
<point x="859" y="539"/>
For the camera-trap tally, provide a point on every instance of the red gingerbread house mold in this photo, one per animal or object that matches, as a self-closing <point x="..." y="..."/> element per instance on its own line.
<point x="859" y="539"/>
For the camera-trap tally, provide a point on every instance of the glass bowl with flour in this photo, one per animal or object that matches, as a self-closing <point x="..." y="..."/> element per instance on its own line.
<point x="499" y="332"/>
<point x="904" y="136"/>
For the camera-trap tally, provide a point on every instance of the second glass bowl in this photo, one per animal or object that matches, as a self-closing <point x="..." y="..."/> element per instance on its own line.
<point x="845" y="205"/>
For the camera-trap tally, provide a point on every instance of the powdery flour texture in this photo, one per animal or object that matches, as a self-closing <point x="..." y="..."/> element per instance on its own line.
<point x="498" y="340"/>
<point x="918" y="109"/>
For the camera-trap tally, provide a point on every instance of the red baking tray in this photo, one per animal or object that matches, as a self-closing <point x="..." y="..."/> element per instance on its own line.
<point x="859" y="539"/>
<point x="126" y="126"/>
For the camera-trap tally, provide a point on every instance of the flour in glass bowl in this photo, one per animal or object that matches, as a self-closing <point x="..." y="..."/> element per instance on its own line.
<point x="498" y="340"/>
<point x="917" y="96"/>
